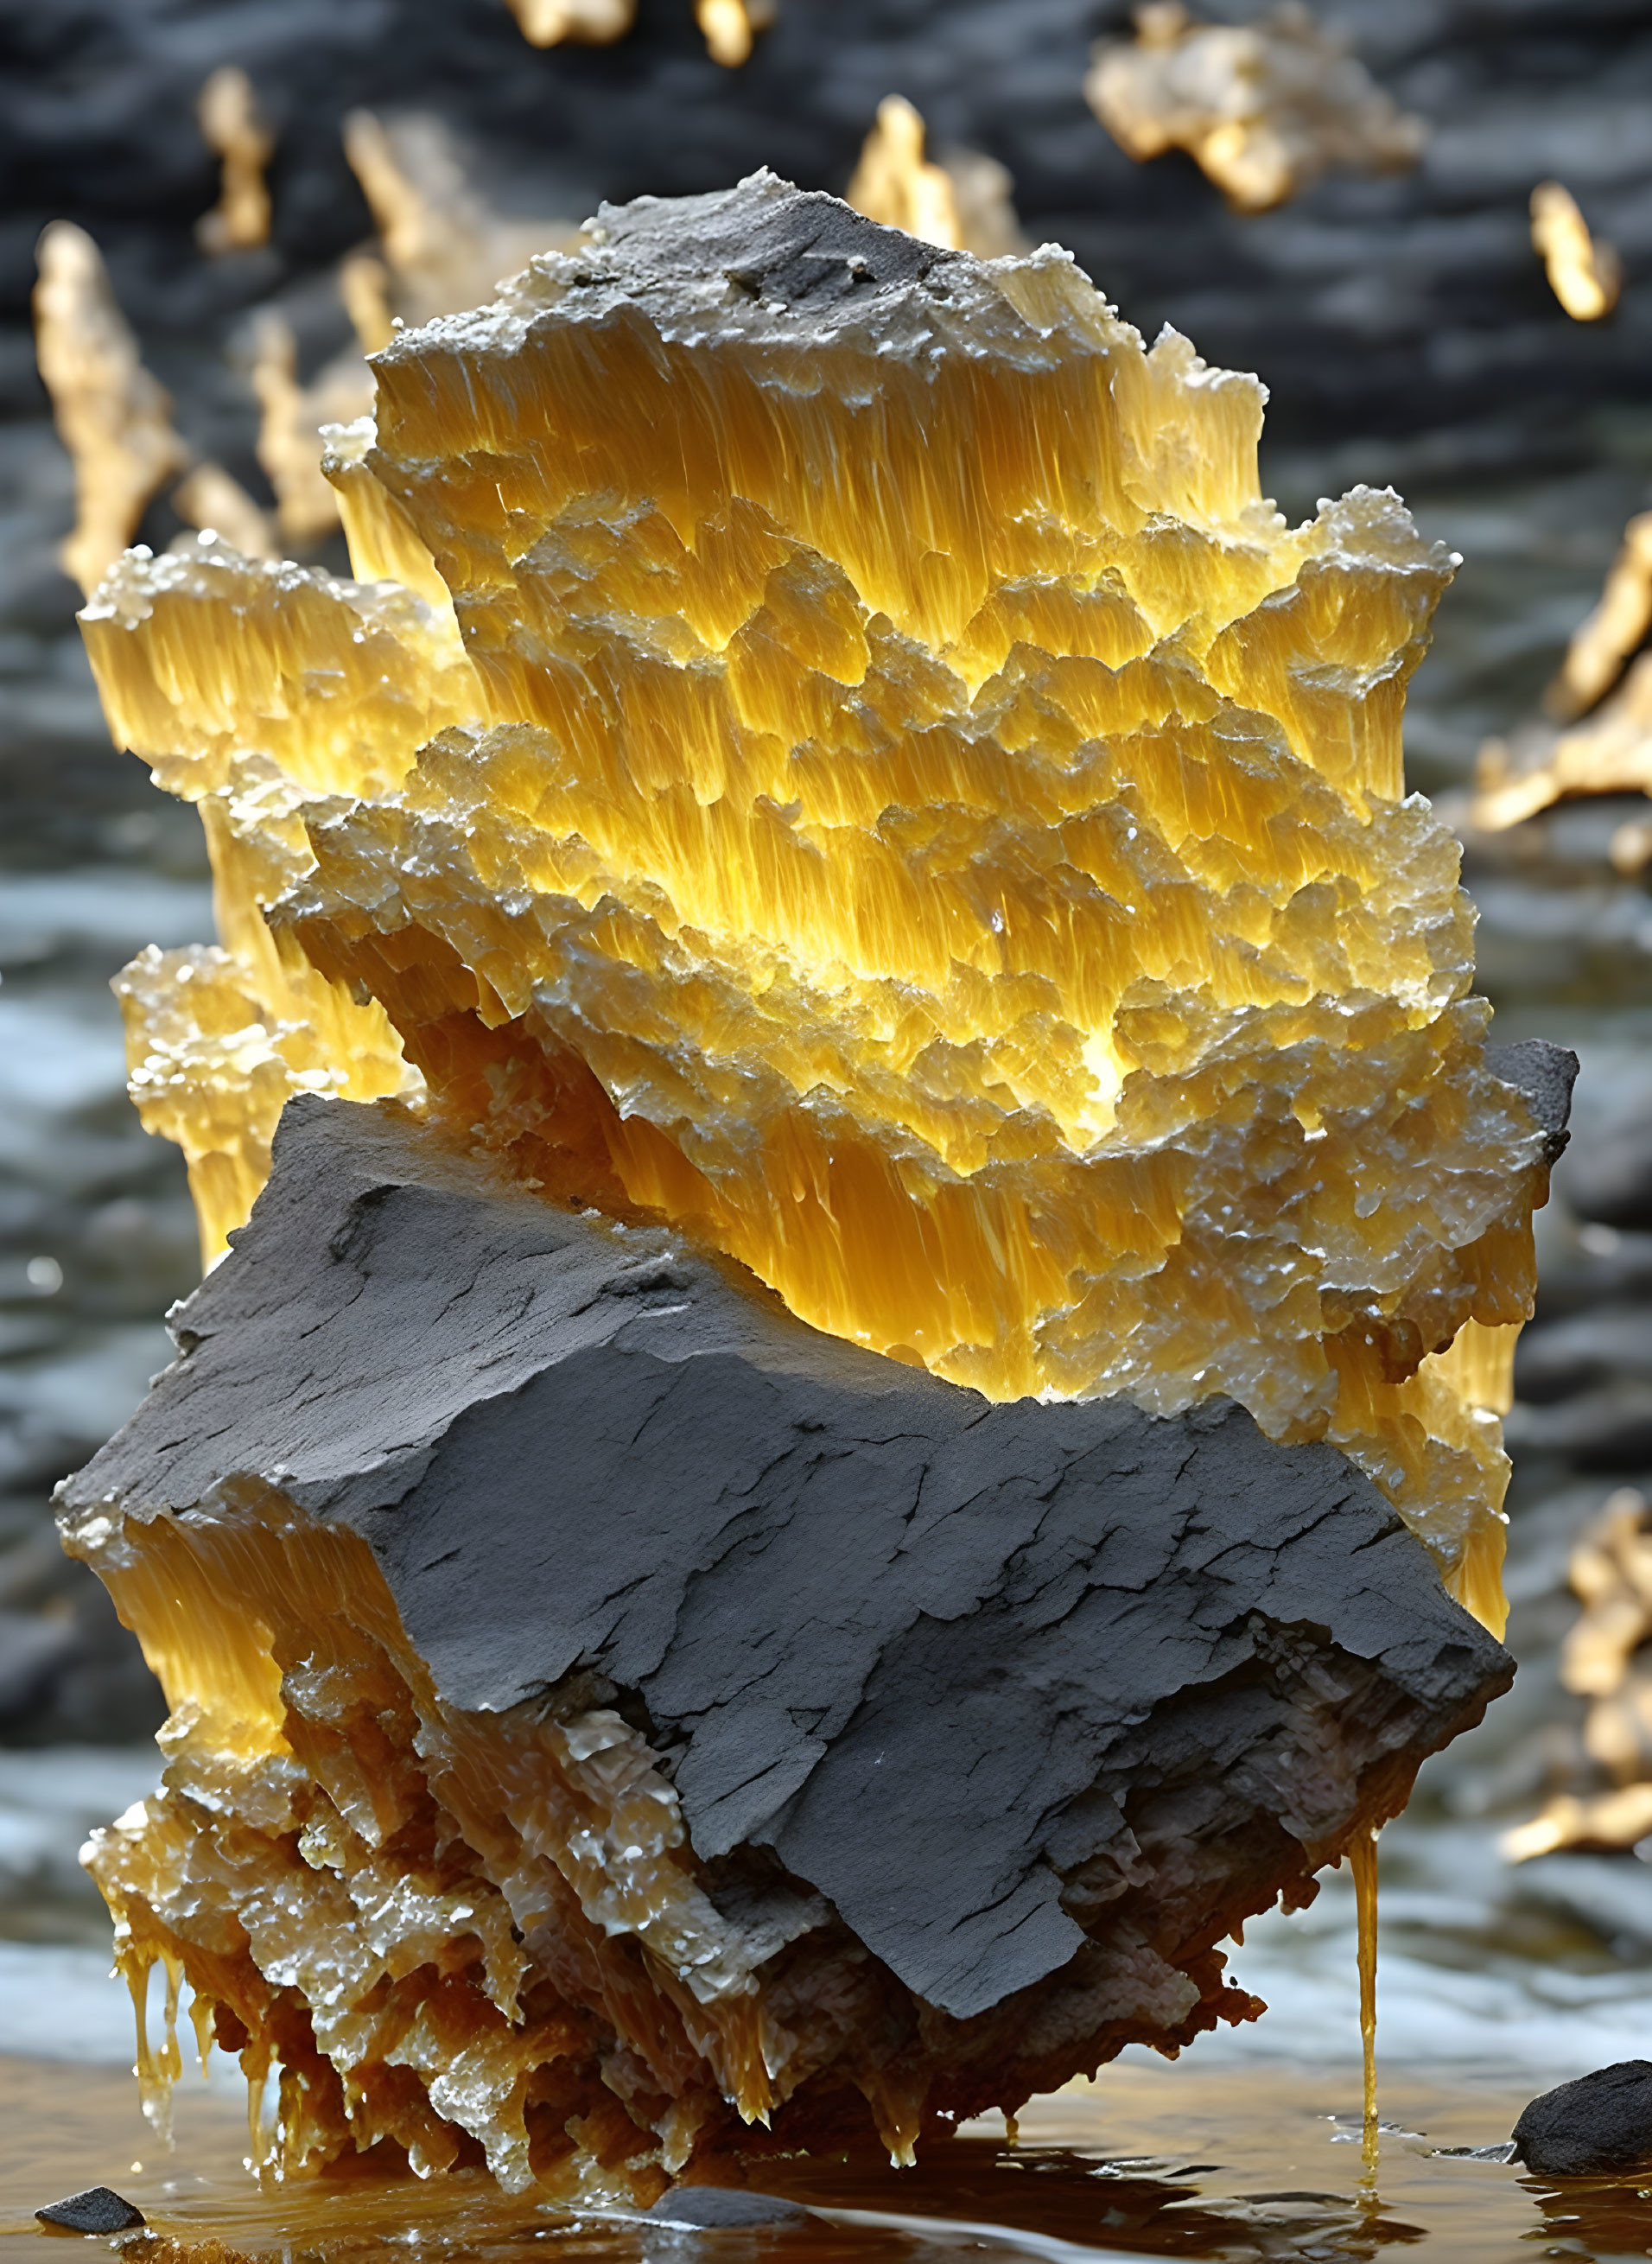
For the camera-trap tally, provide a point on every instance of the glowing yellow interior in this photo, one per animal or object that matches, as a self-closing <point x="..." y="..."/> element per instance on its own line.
<point x="897" y="801"/>
<point x="452" y="1933"/>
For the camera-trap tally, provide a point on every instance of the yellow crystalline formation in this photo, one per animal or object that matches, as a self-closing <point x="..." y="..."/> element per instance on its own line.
<point x="412" y="1909"/>
<point x="889" y="794"/>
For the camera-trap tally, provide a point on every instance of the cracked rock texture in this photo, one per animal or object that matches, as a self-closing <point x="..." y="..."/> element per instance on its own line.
<point x="1032" y="1703"/>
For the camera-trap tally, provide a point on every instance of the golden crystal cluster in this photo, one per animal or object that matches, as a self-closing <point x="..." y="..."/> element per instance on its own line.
<point x="889" y="794"/>
<point x="829" y="746"/>
<point x="430" y="1921"/>
<point x="863" y="772"/>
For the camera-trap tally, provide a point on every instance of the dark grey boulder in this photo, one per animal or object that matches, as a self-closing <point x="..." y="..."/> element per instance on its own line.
<point x="709" y="2208"/>
<point x="1600" y="2124"/>
<point x="1021" y="1690"/>
<point x="98" y="2210"/>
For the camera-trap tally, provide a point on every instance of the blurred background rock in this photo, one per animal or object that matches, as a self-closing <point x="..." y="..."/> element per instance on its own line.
<point x="1408" y="333"/>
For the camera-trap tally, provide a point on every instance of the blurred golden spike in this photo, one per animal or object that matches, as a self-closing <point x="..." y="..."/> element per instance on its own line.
<point x="289" y="432"/>
<point x="211" y="500"/>
<point x="547" y="23"/>
<point x="1584" y="275"/>
<point x="364" y="285"/>
<point x="1613" y="632"/>
<point x="230" y="125"/>
<point x="445" y="245"/>
<point x="894" y="182"/>
<point x="1603" y="1659"/>
<point x="1609" y="753"/>
<point x="730" y="27"/>
<point x="1262" y="108"/>
<point x="113" y="417"/>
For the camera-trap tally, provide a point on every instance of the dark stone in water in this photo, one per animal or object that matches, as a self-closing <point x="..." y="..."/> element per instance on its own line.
<point x="710" y="2208"/>
<point x="1598" y="2124"/>
<point x="98" y="2210"/>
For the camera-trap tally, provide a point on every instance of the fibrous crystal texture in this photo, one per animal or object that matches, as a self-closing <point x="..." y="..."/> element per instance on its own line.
<point x="830" y="745"/>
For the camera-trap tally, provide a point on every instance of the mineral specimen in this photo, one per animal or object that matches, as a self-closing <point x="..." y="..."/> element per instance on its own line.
<point x="605" y="1709"/>
<point x="889" y="794"/>
<point x="1584" y="275"/>
<point x="1263" y="108"/>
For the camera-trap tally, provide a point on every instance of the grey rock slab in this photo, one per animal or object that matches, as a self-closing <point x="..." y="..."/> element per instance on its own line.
<point x="894" y="1632"/>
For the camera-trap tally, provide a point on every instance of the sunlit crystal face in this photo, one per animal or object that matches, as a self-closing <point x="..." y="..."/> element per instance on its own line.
<point x="895" y="800"/>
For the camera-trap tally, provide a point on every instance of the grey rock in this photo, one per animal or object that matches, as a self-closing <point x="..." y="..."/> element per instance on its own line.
<point x="707" y="2209"/>
<point x="1600" y="2124"/>
<point x="1000" y="1680"/>
<point x="98" y="2210"/>
<point x="1546" y="1074"/>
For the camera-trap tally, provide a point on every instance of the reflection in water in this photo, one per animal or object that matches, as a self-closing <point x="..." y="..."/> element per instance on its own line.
<point x="1259" y="2162"/>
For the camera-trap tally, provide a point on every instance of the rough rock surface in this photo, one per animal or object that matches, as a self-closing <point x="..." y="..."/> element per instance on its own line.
<point x="714" y="2208"/>
<point x="990" y="1677"/>
<point x="99" y="2210"/>
<point x="1598" y="2124"/>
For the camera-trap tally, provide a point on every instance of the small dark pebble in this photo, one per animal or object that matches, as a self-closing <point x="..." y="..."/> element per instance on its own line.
<point x="98" y="2210"/>
<point x="1600" y="2124"/>
<point x="707" y="2207"/>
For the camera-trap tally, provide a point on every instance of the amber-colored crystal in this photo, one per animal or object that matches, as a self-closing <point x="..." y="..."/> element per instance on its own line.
<point x="896" y="799"/>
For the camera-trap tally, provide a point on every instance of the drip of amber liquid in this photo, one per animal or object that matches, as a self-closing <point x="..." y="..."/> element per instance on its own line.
<point x="1362" y="1860"/>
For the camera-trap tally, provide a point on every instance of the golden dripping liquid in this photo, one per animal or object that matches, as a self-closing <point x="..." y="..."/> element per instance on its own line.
<point x="1362" y="1860"/>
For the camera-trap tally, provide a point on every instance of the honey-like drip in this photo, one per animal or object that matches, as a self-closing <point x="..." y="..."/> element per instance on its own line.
<point x="1362" y="1862"/>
